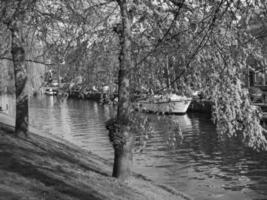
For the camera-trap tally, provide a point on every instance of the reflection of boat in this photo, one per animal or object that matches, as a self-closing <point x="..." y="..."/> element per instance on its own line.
<point x="183" y="120"/>
<point x="170" y="103"/>
<point x="51" y="91"/>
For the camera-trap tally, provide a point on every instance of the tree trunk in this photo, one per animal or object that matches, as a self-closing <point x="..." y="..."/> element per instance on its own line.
<point x="123" y="152"/>
<point x="20" y="72"/>
<point x="123" y="156"/>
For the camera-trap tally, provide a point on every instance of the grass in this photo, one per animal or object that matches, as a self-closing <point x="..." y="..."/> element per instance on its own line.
<point x="44" y="167"/>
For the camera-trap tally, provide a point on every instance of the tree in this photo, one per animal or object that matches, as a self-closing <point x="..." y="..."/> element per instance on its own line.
<point x="121" y="134"/>
<point x="13" y="16"/>
<point x="207" y="52"/>
<point x="199" y="45"/>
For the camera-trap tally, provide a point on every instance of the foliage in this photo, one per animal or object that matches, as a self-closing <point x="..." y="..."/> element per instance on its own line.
<point x="140" y="124"/>
<point x="177" y="46"/>
<point x="224" y="59"/>
<point x="143" y="127"/>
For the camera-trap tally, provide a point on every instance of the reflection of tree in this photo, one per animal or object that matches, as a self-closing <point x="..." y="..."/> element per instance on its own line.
<point x="171" y="129"/>
<point x="204" y="138"/>
<point x="43" y="113"/>
<point x="224" y="159"/>
<point x="65" y="123"/>
<point x="87" y="122"/>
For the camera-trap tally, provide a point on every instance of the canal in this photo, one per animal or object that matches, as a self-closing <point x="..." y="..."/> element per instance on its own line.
<point x="198" y="163"/>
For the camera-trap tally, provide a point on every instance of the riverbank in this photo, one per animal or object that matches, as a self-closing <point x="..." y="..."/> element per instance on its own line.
<point x="42" y="166"/>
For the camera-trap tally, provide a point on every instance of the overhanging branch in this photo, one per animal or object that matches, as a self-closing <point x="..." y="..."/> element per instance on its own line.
<point x="28" y="60"/>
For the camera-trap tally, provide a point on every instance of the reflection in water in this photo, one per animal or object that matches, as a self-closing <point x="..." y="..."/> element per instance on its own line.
<point x="196" y="162"/>
<point x="78" y="121"/>
<point x="204" y="166"/>
<point x="7" y="104"/>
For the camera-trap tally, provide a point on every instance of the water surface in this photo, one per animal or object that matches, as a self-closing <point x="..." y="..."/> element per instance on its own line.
<point x="198" y="163"/>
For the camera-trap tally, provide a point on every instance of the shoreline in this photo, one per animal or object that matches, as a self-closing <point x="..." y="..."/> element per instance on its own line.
<point x="42" y="166"/>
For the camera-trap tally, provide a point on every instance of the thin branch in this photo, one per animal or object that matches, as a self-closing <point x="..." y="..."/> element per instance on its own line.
<point x="28" y="60"/>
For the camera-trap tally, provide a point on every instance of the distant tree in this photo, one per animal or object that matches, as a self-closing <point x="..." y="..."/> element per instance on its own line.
<point x="69" y="31"/>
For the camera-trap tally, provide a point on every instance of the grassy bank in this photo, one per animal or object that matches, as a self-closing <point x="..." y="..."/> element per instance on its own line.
<point x="44" y="167"/>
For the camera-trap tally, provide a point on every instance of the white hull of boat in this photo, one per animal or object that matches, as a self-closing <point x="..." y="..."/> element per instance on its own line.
<point x="175" y="107"/>
<point x="50" y="93"/>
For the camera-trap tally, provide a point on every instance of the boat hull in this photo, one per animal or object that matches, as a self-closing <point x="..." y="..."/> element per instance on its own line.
<point x="171" y="107"/>
<point x="51" y="93"/>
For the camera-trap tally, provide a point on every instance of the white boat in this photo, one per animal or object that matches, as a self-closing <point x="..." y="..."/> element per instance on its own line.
<point x="171" y="103"/>
<point x="50" y="91"/>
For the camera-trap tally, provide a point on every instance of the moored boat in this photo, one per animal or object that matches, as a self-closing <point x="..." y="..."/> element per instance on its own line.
<point x="168" y="104"/>
<point x="51" y="91"/>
